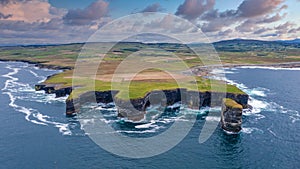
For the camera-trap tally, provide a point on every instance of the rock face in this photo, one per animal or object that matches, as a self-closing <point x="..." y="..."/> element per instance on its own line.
<point x="134" y="109"/>
<point x="231" y="116"/>
<point x="52" y="89"/>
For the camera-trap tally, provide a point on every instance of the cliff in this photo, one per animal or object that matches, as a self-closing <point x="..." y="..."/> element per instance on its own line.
<point x="134" y="109"/>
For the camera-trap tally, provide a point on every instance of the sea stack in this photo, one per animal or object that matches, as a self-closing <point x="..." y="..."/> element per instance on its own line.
<point x="231" y="116"/>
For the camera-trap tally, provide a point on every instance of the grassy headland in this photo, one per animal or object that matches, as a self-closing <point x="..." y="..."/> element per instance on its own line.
<point x="230" y="52"/>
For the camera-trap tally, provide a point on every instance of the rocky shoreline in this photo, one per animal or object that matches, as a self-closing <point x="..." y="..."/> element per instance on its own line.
<point x="135" y="109"/>
<point x="41" y="65"/>
<point x="205" y="70"/>
<point x="172" y="97"/>
<point x="231" y="117"/>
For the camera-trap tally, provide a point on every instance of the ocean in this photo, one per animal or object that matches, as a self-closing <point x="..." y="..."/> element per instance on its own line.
<point x="35" y="133"/>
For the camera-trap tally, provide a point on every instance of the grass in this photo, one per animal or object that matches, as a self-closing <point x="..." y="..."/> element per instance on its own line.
<point x="66" y="55"/>
<point x="232" y="104"/>
<point x="138" y="89"/>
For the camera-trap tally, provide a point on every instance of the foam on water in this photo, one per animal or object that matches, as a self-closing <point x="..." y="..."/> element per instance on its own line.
<point x="267" y="67"/>
<point x="19" y="91"/>
<point x="249" y="130"/>
<point x="258" y="100"/>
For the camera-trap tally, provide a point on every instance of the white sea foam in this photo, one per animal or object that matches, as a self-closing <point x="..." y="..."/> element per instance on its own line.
<point x="213" y="118"/>
<point x="222" y="71"/>
<point x="249" y="130"/>
<point x="17" y="90"/>
<point x="147" y="125"/>
<point x="257" y="105"/>
<point x="34" y="74"/>
<point x="267" y="67"/>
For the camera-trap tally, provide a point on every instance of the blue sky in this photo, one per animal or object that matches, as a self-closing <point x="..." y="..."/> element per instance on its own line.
<point x="65" y="21"/>
<point x="123" y="7"/>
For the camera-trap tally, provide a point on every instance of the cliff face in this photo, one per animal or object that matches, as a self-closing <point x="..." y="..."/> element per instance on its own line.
<point x="134" y="109"/>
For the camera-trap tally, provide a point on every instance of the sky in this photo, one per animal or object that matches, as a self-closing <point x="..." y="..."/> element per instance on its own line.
<point x="70" y="21"/>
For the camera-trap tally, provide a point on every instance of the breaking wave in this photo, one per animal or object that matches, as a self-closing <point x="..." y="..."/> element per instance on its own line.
<point x="258" y="99"/>
<point x="18" y="91"/>
<point x="156" y="119"/>
<point x="267" y="67"/>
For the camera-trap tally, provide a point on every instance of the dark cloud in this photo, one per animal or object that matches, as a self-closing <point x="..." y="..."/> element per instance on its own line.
<point x="2" y="16"/>
<point x="284" y="28"/>
<point x="247" y="26"/>
<point x="294" y="30"/>
<point x="5" y="2"/>
<point x="253" y="8"/>
<point x="225" y="33"/>
<point x="153" y="8"/>
<point x="285" y="25"/>
<point x="93" y="12"/>
<point x="216" y="20"/>
<point x="269" y="35"/>
<point x="216" y="25"/>
<point x="214" y="14"/>
<point x="17" y="32"/>
<point x="246" y="13"/>
<point x="192" y="9"/>
<point x="262" y="30"/>
<point x="274" y="18"/>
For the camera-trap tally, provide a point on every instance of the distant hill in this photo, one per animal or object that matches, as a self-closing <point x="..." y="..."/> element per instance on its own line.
<point x="246" y="45"/>
<point x="290" y="41"/>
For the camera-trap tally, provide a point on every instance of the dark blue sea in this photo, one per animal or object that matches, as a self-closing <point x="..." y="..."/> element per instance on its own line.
<point x="35" y="134"/>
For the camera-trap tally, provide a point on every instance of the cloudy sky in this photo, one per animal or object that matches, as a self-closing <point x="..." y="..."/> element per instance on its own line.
<point x="68" y="21"/>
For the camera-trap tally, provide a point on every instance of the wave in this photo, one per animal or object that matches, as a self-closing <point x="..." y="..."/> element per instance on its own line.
<point x="249" y="130"/>
<point x="268" y="67"/>
<point x="20" y="91"/>
<point x="222" y="71"/>
<point x="34" y="74"/>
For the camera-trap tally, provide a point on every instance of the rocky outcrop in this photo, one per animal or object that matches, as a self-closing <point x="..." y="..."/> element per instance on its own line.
<point x="54" y="89"/>
<point x="231" y="116"/>
<point x="134" y="109"/>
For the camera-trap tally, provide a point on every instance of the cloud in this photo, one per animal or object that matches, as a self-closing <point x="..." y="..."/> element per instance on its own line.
<point x="156" y="7"/>
<point x="192" y="9"/>
<point x="86" y="16"/>
<point x="284" y="28"/>
<point x="294" y="30"/>
<point x="262" y="30"/>
<point x="274" y="18"/>
<point x="269" y="35"/>
<point x="37" y="22"/>
<point x="2" y="16"/>
<point x="27" y="11"/>
<point x="250" y="15"/>
<point x="253" y="8"/>
<point x="247" y="26"/>
<point x="225" y="33"/>
<point x="54" y="31"/>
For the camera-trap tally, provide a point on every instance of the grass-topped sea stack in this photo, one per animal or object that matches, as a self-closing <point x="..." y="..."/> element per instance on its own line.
<point x="231" y="116"/>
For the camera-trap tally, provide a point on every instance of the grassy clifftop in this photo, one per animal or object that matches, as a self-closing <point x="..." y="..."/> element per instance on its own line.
<point x="231" y="52"/>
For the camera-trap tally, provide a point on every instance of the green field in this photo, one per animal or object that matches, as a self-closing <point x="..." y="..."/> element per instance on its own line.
<point x="230" y="52"/>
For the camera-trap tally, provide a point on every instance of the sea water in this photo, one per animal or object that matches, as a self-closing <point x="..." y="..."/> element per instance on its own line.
<point x="35" y="133"/>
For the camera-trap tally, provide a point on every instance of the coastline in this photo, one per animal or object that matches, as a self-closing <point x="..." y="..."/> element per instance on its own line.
<point x="173" y="96"/>
<point x="206" y="70"/>
<point x="39" y="64"/>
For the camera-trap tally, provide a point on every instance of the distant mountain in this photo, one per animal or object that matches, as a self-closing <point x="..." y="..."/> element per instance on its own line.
<point x="291" y="41"/>
<point x="253" y="41"/>
<point x="250" y="45"/>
